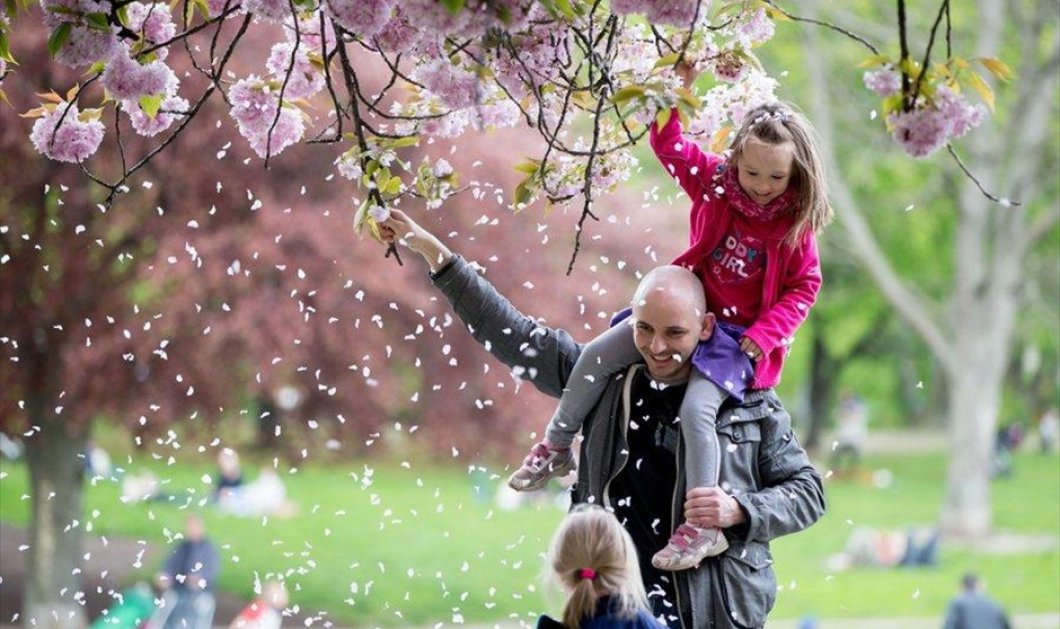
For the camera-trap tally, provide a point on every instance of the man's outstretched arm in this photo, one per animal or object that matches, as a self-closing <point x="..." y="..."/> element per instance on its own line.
<point x="542" y="355"/>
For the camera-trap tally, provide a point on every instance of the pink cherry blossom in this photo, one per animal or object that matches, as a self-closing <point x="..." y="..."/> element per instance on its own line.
<point x="305" y="79"/>
<point x="364" y="18"/>
<point x="398" y="36"/>
<point x="433" y="17"/>
<point x="730" y="67"/>
<point x="58" y="12"/>
<point x="126" y="79"/>
<point x="254" y="107"/>
<point x="756" y="30"/>
<point x="920" y="132"/>
<point x="961" y="115"/>
<point x="154" y="20"/>
<point x="87" y="46"/>
<point x="676" y="12"/>
<point x="268" y="10"/>
<point x="289" y="129"/>
<point x="927" y="128"/>
<point x="309" y="32"/>
<point x="217" y="7"/>
<point x="884" y="81"/>
<point x="72" y="141"/>
<point x="166" y="116"/>
<point x="456" y="88"/>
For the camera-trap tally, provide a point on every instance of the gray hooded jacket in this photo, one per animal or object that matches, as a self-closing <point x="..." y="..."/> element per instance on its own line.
<point x="763" y="467"/>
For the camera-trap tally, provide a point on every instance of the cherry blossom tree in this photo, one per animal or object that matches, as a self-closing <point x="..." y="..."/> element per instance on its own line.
<point x="206" y="290"/>
<point x="587" y="76"/>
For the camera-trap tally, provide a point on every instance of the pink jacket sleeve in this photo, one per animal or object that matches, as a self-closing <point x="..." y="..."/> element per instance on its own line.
<point x="801" y="284"/>
<point x="683" y="159"/>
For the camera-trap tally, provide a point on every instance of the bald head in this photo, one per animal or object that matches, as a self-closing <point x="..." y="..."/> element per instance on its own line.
<point x="669" y="319"/>
<point x="672" y="283"/>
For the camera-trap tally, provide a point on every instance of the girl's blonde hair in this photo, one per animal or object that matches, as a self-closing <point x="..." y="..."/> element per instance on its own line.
<point x="777" y="123"/>
<point x="592" y="556"/>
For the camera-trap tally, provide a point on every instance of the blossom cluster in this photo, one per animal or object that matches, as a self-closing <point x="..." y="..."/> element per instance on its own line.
<point x="672" y="12"/>
<point x="926" y="128"/>
<point x="492" y="64"/>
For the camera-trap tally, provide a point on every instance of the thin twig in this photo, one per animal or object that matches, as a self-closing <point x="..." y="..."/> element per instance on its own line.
<point x="992" y="197"/>
<point x="839" y="29"/>
<point x="927" y="51"/>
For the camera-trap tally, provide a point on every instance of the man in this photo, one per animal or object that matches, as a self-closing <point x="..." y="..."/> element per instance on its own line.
<point x="631" y="456"/>
<point x="188" y="581"/>
<point x="972" y="609"/>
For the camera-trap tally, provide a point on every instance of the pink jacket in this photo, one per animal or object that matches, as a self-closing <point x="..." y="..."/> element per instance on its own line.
<point x="792" y="275"/>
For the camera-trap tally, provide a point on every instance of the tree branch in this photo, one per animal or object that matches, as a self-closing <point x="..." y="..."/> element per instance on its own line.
<point x="910" y="304"/>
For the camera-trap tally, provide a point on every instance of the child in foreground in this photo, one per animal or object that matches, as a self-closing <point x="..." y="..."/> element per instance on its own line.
<point x="593" y="560"/>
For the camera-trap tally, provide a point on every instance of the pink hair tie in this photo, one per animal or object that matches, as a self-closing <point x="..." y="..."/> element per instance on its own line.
<point x="587" y="573"/>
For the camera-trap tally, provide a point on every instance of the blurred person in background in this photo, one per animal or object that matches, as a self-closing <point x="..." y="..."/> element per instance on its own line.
<point x="972" y="609"/>
<point x="188" y="581"/>
<point x="265" y="612"/>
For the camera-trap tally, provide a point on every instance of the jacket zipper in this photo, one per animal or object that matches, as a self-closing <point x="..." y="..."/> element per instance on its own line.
<point x="675" y="516"/>
<point x="627" y="389"/>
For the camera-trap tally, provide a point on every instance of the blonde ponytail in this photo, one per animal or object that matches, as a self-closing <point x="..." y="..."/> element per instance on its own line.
<point x="591" y="557"/>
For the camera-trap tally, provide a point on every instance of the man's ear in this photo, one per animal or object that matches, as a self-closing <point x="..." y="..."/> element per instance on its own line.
<point x="708" y="326"/>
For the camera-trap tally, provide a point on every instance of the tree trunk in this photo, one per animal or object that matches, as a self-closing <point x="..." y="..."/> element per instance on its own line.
<point x="823" y="370"/>
<point x="53" y="587"/>
<point x="973" y="401"/>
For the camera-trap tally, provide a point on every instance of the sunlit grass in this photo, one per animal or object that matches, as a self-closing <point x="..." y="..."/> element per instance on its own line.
<point x="381" y="543"/>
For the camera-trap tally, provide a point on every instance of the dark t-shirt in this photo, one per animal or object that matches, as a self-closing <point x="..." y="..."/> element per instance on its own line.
<point x="642" y="493"/>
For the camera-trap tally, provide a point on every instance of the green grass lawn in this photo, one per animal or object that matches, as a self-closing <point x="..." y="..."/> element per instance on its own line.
<point x="380" y="543"/>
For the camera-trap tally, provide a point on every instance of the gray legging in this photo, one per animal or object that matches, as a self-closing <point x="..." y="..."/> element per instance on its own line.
<point x="609" y="353"/>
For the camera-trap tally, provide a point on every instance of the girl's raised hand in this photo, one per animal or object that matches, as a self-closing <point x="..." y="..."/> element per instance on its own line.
<point x="749" y="347"/>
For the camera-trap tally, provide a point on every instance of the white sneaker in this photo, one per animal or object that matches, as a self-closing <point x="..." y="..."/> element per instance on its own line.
<point x="688" y="546"/>
<point x="540" y="465"/>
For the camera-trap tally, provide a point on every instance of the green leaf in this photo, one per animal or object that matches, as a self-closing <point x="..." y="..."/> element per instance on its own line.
<point x="393" y="187"/>
<point x="565" y="8"/>
<point x="529" y="167"/>
<point x="11" y="6"/>
<point x="997" y="67"/>
<point x="98" y="21"/>
<point x="96" y="68"/>
<point x="58" y="37"/>
<point x="453" y="6"/>
<point x="663" y="117"/>
<point x="522" y="193"/>
<point x="689" y="98"/>
<point x="370" y="167"/>
<point x="775" y="15"/>
<point x="875" y="61"/>
<point x="398" y="143"/>
<point x="628" y="92"/>
<point x="5" y="48"/>
<point x="150" y="104"/>
<point x="980" y="86"/>
<point x="667" y="60"/>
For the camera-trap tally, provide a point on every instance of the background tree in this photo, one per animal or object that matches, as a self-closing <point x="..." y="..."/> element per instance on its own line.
<point x="969" y="321"/>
